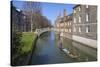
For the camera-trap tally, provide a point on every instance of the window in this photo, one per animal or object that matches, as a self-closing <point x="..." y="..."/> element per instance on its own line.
<point x="87" y="29"/>
<point x="65" y="24"/>
<point x="24" y="17"/>
<point x="87" y="17"/>
<point x="68" y="23"/>
<point x="67" y="30"/>
<point x="74" y="29"/>
<point x="79" y="8"/>
<point x="62" y="25"/>
<point x="79" y="29"/>
<point x="79" y="19"/>
<point x="74" y="20"/>
<point x="87" y="6"/>
<point x="70" y="30"/>
<point x="74" y="11"/>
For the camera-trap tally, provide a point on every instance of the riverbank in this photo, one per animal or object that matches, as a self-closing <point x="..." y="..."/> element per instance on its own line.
<point x="88" y="42"/>
<point x="27" y="40"/>
<point x="27" y="44"/>
<point x="85" y="53"/>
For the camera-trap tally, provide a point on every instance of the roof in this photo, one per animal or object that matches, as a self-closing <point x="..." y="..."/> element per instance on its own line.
<point x="76" y="6"/>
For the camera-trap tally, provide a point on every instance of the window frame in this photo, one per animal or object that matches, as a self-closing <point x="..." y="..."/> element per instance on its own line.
<point x="87" y="29"/>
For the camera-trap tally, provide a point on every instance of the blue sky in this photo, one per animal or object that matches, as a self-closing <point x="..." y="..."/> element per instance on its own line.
<point x="50" y="10"/>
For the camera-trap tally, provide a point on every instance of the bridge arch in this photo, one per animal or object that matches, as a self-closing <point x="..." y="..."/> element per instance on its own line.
<point x="42" y="30"/>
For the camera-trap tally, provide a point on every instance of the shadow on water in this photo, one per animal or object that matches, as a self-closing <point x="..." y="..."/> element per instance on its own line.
<point x="84" y="52"/>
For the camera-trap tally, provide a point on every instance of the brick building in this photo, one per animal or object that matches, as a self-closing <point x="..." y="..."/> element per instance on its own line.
<point x="85" y="21"/>
<point x="64" y="23"/>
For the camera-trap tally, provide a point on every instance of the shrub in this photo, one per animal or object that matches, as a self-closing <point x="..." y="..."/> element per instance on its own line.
<point x="16" y="42"/>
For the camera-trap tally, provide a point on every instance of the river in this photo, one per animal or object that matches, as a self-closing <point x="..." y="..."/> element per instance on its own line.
<point x="47" y="51"/>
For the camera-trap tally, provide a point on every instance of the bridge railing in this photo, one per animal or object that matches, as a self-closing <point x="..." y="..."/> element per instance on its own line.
<point x="39" y="31"/>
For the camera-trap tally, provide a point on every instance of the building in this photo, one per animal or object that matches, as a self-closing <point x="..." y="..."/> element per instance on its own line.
<point x="68" y="24"/>
<point x="80" y="26"/>
<point x="19" y="21"/>
<point x="64" y="23"/>
<point x="16" y="19"/>
<point x="85" y="21"/>
<point x="57" y="23"/>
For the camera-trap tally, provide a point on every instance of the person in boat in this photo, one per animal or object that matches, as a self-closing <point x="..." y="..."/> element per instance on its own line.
<point x="60" y="43"/>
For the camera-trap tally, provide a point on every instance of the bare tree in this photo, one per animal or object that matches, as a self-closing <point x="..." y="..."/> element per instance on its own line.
<point x="32" y="9"/>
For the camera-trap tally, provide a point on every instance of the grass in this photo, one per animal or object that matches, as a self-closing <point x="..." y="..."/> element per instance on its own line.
<point x="27" y="40"/>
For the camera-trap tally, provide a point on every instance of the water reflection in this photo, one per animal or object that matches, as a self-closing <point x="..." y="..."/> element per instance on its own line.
<point x="84" y="52"/>
<point x="47" y="51"/>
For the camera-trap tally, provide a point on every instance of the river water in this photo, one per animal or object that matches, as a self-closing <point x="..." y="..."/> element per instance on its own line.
<point x="47" y="51"/>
